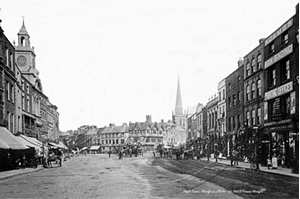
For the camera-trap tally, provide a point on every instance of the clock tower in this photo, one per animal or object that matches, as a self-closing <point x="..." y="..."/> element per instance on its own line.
<point x="25" y="56"/>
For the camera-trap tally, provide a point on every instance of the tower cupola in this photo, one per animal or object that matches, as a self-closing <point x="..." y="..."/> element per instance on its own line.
<point x="23" y="37"/>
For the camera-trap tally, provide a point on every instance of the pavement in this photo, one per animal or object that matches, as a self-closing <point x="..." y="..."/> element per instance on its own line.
<point x="246" y="166"/>
<point x="20" y="171"/>
<point x="242" y="165"/>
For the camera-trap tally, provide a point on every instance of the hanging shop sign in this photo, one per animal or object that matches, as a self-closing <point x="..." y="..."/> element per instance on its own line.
<point x="279" y="31"/>
<point x="283" y="53"/>
<point x="265" y="110"/>
<point x="293" y="102"/>
<point x="281" y="90"/>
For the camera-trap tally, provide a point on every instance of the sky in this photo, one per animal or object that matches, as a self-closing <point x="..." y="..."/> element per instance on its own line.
<point x="116" y="61"/>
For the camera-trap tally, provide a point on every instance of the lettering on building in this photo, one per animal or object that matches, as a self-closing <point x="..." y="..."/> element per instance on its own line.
<point x="286" y="88"/>
<point x="279" y="31"/>
<point x="288" y="50"/>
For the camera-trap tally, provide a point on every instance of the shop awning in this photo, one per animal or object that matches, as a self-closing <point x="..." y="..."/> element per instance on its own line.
<point x="62" y="145"/>
<point x="32" y="140"/>
<point x="8" y="139"/>
<point x="95" y="147"/>
<point x="3" y="145"/>
<point x="54" y="145"/>
<point x="26" y="143"/>
<point x="84" y="148"/>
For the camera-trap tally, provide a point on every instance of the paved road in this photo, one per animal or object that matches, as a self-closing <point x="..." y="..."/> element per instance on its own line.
<point x="97" y="176"/>
<point x="245" y="183"/>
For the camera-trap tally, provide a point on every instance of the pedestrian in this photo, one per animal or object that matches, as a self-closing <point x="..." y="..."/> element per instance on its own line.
<point x="235" y="157"/>
<point x="109" y="152"/>
<point x="216" y="155"/>
<point x="59" y="157"/>
<point x="269" y="163"/>
<point x="231" y="157"/>
<point x="153" y="153"/>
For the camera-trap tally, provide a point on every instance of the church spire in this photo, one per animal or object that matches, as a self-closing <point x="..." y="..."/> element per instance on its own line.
<point x="178" y="106"/>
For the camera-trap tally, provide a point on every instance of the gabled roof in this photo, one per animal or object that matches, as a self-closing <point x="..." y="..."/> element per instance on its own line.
<point x="115" y="129"/>
<point x="100" y="130"/>
<point x="144" y="125"/>
<point x="92" y="131"/>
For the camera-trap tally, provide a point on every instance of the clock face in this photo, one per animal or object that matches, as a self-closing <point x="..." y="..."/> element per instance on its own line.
<point x="21" y="60"/>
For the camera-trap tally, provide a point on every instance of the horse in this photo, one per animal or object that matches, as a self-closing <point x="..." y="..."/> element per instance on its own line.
<point x="51" y="158"/>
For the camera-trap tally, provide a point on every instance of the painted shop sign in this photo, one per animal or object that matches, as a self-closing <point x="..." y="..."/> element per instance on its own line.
<point x="283" y="53"/>
<point x="278" y="123"/>
<point x="279" y="31"/>
<point x="281" y="90"/>
<point x="293" y="102"/>
<point x="282" y="128"/>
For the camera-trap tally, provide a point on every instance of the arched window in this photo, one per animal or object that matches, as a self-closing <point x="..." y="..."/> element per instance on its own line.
<point x="253" y="90"/>
<point x="253" y="65"/>
<point x="258" y="61"/>
<point x="22" y="41"/>
<point x="258" y="88"/>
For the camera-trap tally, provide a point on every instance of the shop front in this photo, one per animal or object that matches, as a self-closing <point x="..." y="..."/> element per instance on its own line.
<point x="283" y="144"/>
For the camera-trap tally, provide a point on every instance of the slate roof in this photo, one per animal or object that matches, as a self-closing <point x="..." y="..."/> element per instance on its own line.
<point x="115" y="129"/>
<point x="92" y="131"/>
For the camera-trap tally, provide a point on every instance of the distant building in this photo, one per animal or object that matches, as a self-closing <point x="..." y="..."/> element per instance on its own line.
<point x="235" y="107"/>
<point x="212" y="128"/>
<point x="147" y="133"/>
<point x="254" y="94"/>
<point x="113" y="136"/>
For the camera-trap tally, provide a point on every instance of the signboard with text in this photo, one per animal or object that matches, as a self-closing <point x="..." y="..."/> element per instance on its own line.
<point x="283" y="53"/>
<point x="281" y="90"/>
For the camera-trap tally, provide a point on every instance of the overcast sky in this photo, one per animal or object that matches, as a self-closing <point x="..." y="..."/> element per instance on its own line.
<point x="115" y="61"/>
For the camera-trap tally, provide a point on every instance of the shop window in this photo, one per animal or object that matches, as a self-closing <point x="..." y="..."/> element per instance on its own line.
<point x="286" y="105"/>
